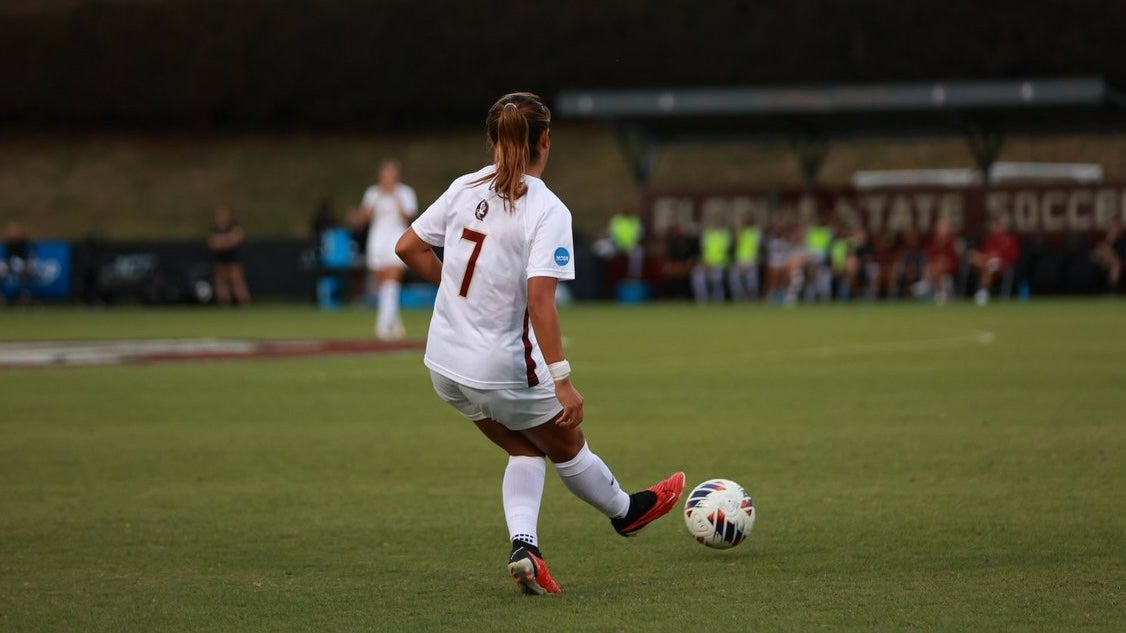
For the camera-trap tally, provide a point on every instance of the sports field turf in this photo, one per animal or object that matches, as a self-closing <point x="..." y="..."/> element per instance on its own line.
<point x="913" y="468"/>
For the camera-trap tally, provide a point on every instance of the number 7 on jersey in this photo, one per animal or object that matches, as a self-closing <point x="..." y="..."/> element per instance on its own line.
<point x="478" y="240"/>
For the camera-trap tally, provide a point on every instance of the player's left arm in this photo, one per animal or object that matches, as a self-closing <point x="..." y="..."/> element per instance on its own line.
<point x="544" y="316"/>
<point x="419" y="256"/>
<point x="549" y="262"/>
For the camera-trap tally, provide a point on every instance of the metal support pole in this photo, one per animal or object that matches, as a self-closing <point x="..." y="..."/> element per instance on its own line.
<point x="985" y="143"/>
<point x="640" y="149"/>
<point x="811" y="150"/>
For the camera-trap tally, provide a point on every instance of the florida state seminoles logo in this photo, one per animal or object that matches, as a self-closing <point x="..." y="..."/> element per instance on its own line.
<point x="482" y="210"/>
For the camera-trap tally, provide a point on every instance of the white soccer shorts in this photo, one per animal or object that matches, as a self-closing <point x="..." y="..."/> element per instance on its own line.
<point x="516" y="409"/>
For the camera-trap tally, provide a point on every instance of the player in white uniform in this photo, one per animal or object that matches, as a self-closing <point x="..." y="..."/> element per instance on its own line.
<point x="388" y="205"/>
<point x="495" y="348"/>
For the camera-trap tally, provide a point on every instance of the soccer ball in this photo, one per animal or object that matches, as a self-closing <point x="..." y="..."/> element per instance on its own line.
<point x="719" y="513"/>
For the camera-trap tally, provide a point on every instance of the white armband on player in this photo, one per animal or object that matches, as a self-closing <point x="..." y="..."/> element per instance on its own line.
<point x="559" y="371"/>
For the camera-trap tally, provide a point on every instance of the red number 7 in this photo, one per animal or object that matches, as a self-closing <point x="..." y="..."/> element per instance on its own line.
<point x="478" y="240"/>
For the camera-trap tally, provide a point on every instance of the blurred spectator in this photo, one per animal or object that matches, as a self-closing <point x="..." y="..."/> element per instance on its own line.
<point x="778" y="249"/>
<point x="818" y="239"/>
<point x="853" y="264"/>
<point x="324" y="218"/>
<point x="388" y="206"/>
<point x="224" y="242"/>
<point x="625" y="233"/>
<point x="1109" y="253"/>
<point x="355" y="220"/>
<point x="942" y="262"/>
<point x="799" y="259"/>
<point x="89" y="270"/>
<point x="909" y="266"/>
<point x="885" y="249"/>
<point x="680" y="256"/>
<point x="715" y="257"/>
<point x="17" y="267"/>
<point x="744" y="275"/>
<point x="995" y="259"/>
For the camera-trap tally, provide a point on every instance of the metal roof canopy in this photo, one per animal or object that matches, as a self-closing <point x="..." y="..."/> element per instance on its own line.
<point x="808" y="117"/>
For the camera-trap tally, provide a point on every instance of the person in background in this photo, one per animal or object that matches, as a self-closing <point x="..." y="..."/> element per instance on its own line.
<point x="997" y="255"/>
<point x="799" y="261"/>
<point x="387" y="206"/>
<point x="224" y="242"/>
<point x="17" y="264"/>
<point x="818" y="239"/>
<point x="626" y="230"/>
<point x="778" y="251"/>
<point x="1109" y="253"/>
<point x="853" y="263"/>
<point x="743" y="277"/>
<point x="838" y="261"/>
<point x="715" y="256"/>
<point x="942" y="261"/>
<point x="679" y="256"/>
<point x="89" y="269"/>
<point x="909" y="266"/>
<point x="324" y="218"/>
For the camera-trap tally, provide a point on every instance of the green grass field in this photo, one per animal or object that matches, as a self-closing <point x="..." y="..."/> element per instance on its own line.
<point x="913" y="468"/>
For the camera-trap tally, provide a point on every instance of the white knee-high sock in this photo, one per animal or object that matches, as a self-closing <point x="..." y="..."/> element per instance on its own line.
<point x="522" y="491"/>
<point x="589" y="479"/>
<point x="388" y="306"/>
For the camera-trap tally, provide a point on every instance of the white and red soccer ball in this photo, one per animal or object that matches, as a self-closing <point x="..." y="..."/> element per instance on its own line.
<point x="719" y="513"/>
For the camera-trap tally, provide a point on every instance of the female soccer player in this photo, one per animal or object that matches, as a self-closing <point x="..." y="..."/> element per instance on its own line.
<point x="495" y="348"/>
<point x="388" y="205"/>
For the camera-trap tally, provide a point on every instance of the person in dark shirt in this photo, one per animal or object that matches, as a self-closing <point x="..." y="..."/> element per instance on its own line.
<point x="1109" y="253"/>
<point x="680" y="256"/>
<point x="910" y="263"/>
<point x="224" y="241"/>
<point x="16" y="267"/>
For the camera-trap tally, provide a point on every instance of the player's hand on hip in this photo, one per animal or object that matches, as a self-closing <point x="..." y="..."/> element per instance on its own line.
<point x="572" y="402"/>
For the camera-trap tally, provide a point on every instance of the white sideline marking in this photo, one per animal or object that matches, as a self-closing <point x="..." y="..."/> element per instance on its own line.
<point x="46" y="353"/>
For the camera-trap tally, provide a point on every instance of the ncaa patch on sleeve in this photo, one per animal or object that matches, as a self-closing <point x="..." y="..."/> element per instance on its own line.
<point x="562" y="256"/>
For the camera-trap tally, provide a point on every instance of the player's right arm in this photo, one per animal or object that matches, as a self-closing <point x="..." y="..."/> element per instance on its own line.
<point x="416" y="245"/>
<point x="419" y="256"/>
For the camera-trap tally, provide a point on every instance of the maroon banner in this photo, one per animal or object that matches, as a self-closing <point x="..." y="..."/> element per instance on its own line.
<point x="1029" y="208"/>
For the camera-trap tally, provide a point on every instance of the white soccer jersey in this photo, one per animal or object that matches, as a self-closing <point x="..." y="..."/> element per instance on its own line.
<point x="479" y="334"/>
<point x="387" y="224"/>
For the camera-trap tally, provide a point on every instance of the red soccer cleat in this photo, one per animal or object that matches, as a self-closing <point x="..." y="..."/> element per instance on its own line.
<point x="649" y="505"/>
<point x="530" y="572"/>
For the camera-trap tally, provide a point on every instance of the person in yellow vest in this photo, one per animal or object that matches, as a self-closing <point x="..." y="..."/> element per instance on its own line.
<point x="744" y="274"/>
<point x="853" y="263"/>
<point x="715" y="256"/>
<point x="818" y="239"/>
<point x="626" y="231"/>
<point x="843" y="265"/>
